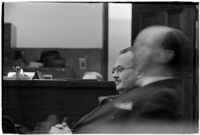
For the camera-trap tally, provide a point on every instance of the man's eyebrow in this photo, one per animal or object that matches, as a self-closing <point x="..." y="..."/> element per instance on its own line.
<point x="119" y="66"/>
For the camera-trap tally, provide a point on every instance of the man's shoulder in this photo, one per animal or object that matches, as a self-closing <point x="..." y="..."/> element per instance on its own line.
<point x="161" y="88"/>
<point x="106" y="99"/>
<point x="166" y="88"/>
<point x="154" y="99"/>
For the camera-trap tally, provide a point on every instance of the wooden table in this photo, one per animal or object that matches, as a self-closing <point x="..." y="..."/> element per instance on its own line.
<point x="31" y="101"/>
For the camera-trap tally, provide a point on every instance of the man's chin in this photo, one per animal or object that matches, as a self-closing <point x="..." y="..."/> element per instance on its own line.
<point x="119" y="91"/>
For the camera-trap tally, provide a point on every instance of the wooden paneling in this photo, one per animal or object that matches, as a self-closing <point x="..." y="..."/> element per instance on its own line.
<point x="178" y="15"/>
<point x="182" y="16"/>
<point x="173" y="18"/>
<point x="147" y="19"/>
<point x="30" y="102"/>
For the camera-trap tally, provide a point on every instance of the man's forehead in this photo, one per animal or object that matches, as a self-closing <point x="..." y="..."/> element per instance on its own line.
<point x="125" y="59"/>
<point x="151" y="36"/>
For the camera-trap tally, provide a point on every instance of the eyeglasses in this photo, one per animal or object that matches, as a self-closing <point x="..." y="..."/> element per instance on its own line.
<point x="119" y="69"/>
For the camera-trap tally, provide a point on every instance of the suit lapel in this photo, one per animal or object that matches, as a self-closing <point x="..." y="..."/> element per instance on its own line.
<point x="96" y="112"/>
<point x="122" y="102"/>
<point x="115" y="104"/>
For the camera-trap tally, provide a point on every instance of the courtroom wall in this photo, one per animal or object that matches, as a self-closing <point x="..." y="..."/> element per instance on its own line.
<point x="60" y="25"/>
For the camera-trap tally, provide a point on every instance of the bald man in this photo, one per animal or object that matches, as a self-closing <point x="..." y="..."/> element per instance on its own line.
<point x="155" y="64"/>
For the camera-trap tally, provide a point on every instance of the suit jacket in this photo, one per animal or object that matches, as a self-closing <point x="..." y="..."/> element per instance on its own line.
<point x="154" y="108"/>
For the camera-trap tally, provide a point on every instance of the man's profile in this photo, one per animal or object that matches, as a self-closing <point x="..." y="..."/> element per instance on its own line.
<point x="149" y="78"/>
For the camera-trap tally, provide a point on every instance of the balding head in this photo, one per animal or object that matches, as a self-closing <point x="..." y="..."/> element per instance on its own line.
<point x="163" y="46"/>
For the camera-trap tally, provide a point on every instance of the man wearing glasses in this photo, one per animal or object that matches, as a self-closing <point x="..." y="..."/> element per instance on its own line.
<point x="148" y="77"/>
<point x="125" y="71"/>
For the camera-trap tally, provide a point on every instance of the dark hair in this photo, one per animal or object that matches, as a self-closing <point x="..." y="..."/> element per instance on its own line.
<point x="179" y="43"/>
<point x="126" y="50"/>
<point x="132" y="50"/>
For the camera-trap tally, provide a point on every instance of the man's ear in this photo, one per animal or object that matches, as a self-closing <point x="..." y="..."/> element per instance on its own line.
<point x="164" y="56"/>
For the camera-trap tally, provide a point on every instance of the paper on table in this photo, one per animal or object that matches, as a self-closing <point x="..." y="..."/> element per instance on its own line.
<point x="29" y="74"/>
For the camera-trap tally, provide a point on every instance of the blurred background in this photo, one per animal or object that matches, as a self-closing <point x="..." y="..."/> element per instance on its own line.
<point x="84" y="36"/>
<point x="65" y="40"/>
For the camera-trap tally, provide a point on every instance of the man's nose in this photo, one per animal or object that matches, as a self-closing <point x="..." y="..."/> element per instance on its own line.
<point x="115" y="74"/>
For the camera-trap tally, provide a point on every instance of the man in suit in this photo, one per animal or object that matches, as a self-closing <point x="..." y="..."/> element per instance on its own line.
<point x="125" y="80"/>
<point x="158" y="59"/>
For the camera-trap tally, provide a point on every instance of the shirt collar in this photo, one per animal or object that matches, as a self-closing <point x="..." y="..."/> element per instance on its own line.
<point x="150" y="79"/>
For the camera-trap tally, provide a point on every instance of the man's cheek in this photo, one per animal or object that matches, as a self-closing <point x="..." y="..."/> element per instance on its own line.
<point x="130" y="80"/>
<point x="119" y="86"/>
<point x="143" y="53"/>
